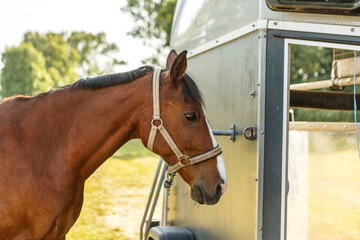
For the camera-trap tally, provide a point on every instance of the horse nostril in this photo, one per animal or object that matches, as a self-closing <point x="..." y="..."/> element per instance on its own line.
<point x="223" y="188"/>
<point x="220" y="190"/>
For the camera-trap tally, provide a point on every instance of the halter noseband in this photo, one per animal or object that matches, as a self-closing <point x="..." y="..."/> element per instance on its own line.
<point x="157" y="125"/>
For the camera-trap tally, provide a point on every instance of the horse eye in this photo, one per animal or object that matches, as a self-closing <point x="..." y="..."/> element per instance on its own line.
<point x="191" y="117"/>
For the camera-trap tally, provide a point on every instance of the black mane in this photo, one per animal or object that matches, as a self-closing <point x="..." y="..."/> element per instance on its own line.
<point x="190" y="90"/>
<point x="111" y="79"/>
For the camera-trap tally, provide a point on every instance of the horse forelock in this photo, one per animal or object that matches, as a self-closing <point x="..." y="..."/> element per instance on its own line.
<point x="191" y="90"/>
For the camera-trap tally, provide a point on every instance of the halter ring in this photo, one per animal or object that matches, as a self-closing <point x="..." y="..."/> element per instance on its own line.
<point x="156" y="119"/>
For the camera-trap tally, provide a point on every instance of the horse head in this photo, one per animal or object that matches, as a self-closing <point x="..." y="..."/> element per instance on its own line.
<point x="180" y="133"/>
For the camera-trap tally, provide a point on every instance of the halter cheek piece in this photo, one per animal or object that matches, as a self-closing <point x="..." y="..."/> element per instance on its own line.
<point x="157" y="125"/>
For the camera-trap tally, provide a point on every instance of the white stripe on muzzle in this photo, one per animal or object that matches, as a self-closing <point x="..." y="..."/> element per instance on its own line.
<point x="219" y="158"/>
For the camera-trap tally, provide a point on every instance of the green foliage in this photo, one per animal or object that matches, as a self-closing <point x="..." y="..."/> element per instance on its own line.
<point x="60" y="59"/>
<point x="309" y="64"/>
<point x="315" y="115"/>
<point x="24" y="71"/>
<point x="91" y="48"/>
<point x="45" y="61"/>
<point x="153" y="20"/>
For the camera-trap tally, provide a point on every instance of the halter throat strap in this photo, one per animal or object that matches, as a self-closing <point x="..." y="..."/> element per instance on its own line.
<point x="157" y="125"/>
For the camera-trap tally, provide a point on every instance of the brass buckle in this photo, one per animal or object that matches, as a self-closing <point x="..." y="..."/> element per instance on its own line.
<point x="186" y="159"/>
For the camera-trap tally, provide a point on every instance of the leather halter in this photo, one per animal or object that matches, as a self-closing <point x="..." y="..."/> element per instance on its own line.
<point x="157" y="125"/>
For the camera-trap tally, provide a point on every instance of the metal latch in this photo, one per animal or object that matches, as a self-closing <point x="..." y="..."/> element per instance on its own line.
<point x="249" y="133"/>
<point x="231" y="132"/>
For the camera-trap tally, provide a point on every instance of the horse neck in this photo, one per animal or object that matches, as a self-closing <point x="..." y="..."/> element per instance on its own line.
<point x="103" y="120"/>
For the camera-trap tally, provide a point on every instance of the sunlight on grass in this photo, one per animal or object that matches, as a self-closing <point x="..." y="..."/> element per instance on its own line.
<point x="324" y="186"/>
<point x="116" y="195"/>
<point x="334" y="202"/>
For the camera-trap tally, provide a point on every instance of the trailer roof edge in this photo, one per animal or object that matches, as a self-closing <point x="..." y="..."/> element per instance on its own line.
<point x="265" y="24"/>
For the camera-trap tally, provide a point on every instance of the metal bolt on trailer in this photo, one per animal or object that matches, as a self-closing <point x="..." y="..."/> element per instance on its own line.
<point x="303" y="163"/>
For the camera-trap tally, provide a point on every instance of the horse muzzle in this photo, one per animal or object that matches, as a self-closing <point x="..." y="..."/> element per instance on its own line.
<point x="200" y="194"/>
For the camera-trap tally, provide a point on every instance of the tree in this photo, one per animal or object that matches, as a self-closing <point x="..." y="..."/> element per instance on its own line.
<point x="93" y="50"/>
<point x="89" y="54"/>
<point x="24" y="71"/>
<point x="60" y="59"/>
<point x="309" y="64"/>
<point x="45" y="61"/>
<point x="153" y="20"/>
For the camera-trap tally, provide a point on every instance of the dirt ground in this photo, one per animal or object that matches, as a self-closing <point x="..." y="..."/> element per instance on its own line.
<point x="115" y="200"/>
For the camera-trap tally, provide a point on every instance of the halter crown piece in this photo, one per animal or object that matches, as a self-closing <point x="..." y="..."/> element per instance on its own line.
<point x="157" y="125"/>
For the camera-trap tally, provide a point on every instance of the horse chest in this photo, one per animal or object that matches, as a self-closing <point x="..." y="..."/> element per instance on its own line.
<point x="44" y="216"/>
<point x="66" y="216"/>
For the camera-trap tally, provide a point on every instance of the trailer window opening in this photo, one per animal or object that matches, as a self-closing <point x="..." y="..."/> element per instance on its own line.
<point x="322" y="159"/>
<point x="321" y="83"/>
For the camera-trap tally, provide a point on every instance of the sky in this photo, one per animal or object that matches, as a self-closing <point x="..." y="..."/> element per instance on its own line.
<point x="20" y="16"/>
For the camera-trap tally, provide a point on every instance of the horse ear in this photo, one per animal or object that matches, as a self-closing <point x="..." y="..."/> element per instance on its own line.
<point x="179" y="66"/>
<point x="171" y="57"/>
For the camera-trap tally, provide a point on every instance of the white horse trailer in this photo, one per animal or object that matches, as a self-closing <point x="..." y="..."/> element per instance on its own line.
<point x="289" y="176"/>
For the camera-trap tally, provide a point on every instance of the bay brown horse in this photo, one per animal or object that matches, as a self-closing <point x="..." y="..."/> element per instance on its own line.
<point x="51" y="143"/>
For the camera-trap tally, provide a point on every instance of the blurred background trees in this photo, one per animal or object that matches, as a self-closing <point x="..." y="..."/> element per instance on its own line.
<point x="97" y="56"/>
<point x="310" y="64"/>
<point x="153" y="22"/>
<point x="24" y="71"/>
<point x="45" y="61"/>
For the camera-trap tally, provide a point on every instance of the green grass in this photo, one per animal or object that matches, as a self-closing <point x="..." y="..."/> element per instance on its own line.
<point x="131" y="150"/>
<point x="116" y="195"/>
